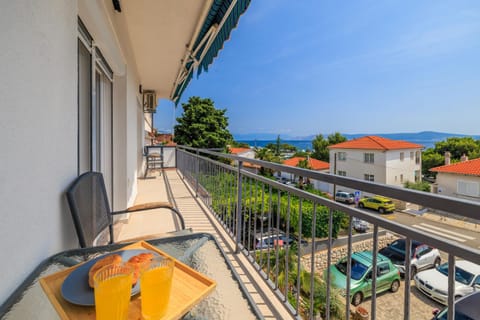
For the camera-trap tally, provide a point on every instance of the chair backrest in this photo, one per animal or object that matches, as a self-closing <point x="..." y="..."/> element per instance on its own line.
<point x="88" y="202"/>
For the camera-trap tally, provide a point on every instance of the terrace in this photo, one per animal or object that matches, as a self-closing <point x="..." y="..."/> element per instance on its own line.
<point x="207" y="192"/>
<point x="92" y="70"/>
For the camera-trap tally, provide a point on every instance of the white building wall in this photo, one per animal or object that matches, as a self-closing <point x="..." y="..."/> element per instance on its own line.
<point x="446" y="184"/>
<point x="355" y="166"/>
<point x="38" y="124"/>
<point x="397" y="168"/>
<point x="38" y="133"/>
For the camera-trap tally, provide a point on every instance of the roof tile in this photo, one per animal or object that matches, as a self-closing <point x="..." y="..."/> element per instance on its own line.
<point x="470" y="167"/>
<point x="314" y="163"/>
<point x="375" y="143"/>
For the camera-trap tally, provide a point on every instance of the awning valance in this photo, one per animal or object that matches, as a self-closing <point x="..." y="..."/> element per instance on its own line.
<point x="219" y="22"/>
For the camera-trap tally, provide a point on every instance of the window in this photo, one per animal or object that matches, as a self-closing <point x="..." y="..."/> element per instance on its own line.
<point x="401" y="178"/>
<point x="417" y="157"/>
<point x="402" y="156"/>
<point x="342" y="156"/>
<point x="342" y="173"/>
<point x="417" y="175"/>
<point x="383" y="269"/>
<point x="95" y="110"/>
<point x="368" y="157"/>
<point x="369" y="177"/>
<point x="468" y="188"/>
<point x="411" y="155"/>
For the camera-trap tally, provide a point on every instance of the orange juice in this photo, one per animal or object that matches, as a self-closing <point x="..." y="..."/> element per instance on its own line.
<point x="155" y="284"/>
<point x="112" y="295"/>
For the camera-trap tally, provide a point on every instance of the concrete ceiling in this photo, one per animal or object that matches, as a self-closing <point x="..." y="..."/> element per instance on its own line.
<point x="160" y="32"/>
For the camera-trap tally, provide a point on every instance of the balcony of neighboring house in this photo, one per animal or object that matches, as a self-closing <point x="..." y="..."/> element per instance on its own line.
<point x="285" y="235"/>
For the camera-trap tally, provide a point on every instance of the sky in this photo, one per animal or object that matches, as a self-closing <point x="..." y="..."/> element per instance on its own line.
<point x="299" y="68"/>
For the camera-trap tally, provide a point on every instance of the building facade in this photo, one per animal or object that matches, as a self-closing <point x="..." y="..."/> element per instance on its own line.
<point x="461" y="179"/>
<point x="377" y="159"/>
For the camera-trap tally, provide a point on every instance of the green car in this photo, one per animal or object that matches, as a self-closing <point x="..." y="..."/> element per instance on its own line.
<point x="388" y="276"/>
<point x="381" y="204"/>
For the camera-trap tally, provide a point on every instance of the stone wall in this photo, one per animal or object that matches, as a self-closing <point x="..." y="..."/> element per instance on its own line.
<point x="340" y="252"/>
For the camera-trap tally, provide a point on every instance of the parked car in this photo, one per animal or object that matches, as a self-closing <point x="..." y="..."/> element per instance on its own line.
<point x="434" y="283"/>
<point x="466" y="308"/>
<point x="360" y="225"/>
<point x="381" y="204"/>
<point x="346" y="197"/>
<point x="388" y="277"/>
<point x="422" y="256"/>
<point x="266" y="239"/>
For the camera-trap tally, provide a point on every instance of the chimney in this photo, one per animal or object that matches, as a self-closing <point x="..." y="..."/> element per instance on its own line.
<point x="447" y="158"/>
<point x="464" y="158"/>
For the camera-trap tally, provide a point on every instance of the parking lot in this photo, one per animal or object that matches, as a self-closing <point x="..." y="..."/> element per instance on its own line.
<point x="390" y="305"/>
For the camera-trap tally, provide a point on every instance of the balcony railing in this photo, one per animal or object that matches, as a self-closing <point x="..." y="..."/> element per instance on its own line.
<point x="252" y="208"/>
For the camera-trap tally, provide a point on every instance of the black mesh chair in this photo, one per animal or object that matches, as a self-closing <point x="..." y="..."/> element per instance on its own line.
<point x="88" y="202"/>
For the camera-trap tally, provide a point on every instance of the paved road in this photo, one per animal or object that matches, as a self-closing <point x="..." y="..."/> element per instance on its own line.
<point x="390" y="305"/>
<point x="451" y="232"/>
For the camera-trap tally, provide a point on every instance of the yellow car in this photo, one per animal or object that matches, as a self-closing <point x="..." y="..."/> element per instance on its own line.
<point x="381" y="204"/>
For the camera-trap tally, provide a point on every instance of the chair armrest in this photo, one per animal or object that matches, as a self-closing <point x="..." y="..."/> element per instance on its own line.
<point x="150" y="206"/>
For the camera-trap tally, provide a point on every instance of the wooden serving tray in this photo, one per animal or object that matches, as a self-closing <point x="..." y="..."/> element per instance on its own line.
<point x="188" y="288"/>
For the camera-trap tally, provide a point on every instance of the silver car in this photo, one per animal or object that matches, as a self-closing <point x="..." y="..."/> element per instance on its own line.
<point x="422" y="256"/>
<point x="345" y="197"/>
<point x="434" y="282"/>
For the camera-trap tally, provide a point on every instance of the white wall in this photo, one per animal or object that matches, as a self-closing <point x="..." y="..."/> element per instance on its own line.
<point x="38" y="125"/>
<point x="447" y="184"/>
<point x="355" y="166"/>
<point x="396" y="167"/>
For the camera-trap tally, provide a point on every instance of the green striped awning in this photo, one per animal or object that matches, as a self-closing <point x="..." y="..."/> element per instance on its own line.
<point x="221" y="19"/>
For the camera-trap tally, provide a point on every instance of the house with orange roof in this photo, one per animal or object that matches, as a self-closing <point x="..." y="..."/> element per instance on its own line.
<point x="314" y="164"/>
<point x="247" y="153"/>
<point x="377" y="159"/>
<point x="461" y="179"/>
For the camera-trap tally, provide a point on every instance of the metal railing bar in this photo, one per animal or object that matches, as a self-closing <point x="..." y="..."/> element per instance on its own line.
<point x="287" y="249"/>
<point x="312" y="260"/>
<point x="278" y="240"/>
<point x="329" y="262"/>
<point x="300" y="212"/>
<point x="462" y="207"/>
<point x="408" y="269"/>
<point x="349" y="265"/>
<point x="373" y="308"/>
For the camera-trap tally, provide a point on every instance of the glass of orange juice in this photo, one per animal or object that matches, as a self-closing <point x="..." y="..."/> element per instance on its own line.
<point x="112" y="288"/>
<point x="155" y="287"/>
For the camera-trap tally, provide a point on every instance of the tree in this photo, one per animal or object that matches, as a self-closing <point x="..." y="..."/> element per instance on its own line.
<point x="304" y="164"/>
<point x="434" y="157"/>
<point x="320" y="145"/>
<point x="431" y="159"/>
<point x="266" y="154"/>
<point x="202" y="126"/>
<point x="421" y="186"/>
<point x="238" y="144"/>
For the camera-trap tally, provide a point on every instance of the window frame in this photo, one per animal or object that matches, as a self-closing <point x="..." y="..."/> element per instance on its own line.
<point x="95" y="130"/>
<point x="369" y="157"/>
<point x="369" y="177"/>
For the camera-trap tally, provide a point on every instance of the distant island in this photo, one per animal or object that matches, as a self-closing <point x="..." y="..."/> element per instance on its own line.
<point x="425" y="138"/>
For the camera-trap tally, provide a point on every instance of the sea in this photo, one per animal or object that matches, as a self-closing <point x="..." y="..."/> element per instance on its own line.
<point x="299" y="144"/>
<point x="307" y="144"/>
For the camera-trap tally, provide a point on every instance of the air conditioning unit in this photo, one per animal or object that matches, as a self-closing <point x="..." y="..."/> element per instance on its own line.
<point x="149" y="101"/>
